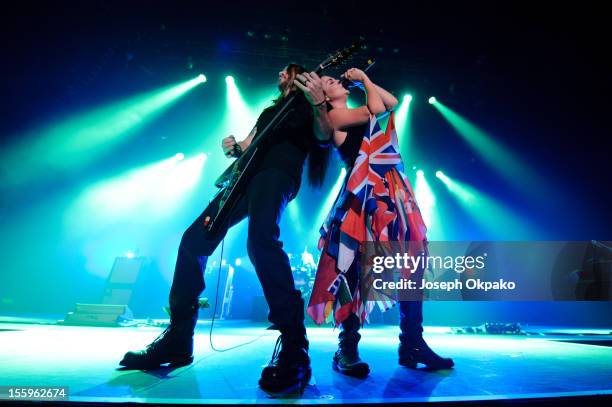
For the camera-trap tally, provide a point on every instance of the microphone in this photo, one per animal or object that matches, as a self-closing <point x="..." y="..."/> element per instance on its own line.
<point x="348" y="84"/>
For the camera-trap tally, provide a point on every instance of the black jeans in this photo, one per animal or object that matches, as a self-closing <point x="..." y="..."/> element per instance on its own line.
<point x="263" y="202"/>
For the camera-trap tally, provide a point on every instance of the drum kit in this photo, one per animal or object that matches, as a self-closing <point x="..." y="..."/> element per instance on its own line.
<point x="304" y="268"/>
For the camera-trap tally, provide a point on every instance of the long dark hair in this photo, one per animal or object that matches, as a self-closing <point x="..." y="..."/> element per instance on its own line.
<point x="318" y="161"/>
<point x="293" y="70"/>
<point x="318" y="157"/>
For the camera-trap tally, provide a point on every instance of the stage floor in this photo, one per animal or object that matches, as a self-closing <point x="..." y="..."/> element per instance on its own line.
<point x="487" y="366"/>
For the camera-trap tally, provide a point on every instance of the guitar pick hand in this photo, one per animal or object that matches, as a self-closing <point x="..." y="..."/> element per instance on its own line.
<point x="227" y="144"/>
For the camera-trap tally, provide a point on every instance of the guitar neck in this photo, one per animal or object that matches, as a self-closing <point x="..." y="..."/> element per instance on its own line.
<point x="284" y="109"/>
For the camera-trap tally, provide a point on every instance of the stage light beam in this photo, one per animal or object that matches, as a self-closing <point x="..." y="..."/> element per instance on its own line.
<point x="139" y="195"/>
<point x="327" y="206"/>
<point x="426" y="200"/>
<point x="293" y="209"/>
<point x="505" y="163"/>
<point x="238" y="116"/>
<point x="494" y="218"/>
<point x="73" y="143"/>
<point x="403" y="125"/>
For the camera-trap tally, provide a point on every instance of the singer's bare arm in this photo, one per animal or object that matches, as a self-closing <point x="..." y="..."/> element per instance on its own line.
<point x="388" y="99"/>
<point x="374" y="100"/>
<point x="343" y="118"/>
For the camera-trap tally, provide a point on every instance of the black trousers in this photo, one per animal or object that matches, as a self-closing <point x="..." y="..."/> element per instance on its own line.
<point x="411" y="317"/>
<point x="266" y="196"/>
<point x="411" y="321"/>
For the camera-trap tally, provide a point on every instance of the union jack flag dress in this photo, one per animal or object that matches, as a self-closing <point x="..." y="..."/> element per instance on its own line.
<point x="376" y="203"/>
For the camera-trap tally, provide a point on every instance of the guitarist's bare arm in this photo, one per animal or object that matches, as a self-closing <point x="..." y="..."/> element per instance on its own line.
<point x="229" y="143"/>
<point x="244" y="144"/>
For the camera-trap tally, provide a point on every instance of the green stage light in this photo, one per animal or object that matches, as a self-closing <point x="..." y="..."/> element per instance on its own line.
<point x="327" y="205"/>
<point x="142" y="194"/>
<point x="171" y="188"/>
<point x="427" y="202"/>
<point x="432" y="100"/>
<point x="403" y="124"/>
<point x="202" y="78"/>
<point x="236" y="116"/>
<point x="71" y="144"/>
<point x="239" y="117"/>
<point x="179" y="156"/>
<point x="461" y="192"/>
<point x="494" y="218"/>
<point x="499" y="158"/>
<point x="293" y="210"/>
<point x="439" y="174"/>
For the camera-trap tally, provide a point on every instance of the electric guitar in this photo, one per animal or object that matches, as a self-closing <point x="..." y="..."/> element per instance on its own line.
<point x="237" y="175"/>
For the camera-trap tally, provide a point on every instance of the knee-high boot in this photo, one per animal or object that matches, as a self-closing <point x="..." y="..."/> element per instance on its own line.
<point x="346" y="359"/>
<point x="413" y="349"/>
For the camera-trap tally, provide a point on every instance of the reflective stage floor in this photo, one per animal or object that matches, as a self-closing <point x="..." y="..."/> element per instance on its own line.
<point x="488" y="367"/>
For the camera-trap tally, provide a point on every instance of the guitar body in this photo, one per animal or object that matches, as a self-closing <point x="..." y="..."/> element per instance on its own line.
<point x="226" y="175"/>
<point x="234" y="179"/>
<point x="232" y="182"/>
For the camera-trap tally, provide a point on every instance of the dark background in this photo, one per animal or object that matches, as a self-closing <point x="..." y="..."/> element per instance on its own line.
<point x="534" y="75"/>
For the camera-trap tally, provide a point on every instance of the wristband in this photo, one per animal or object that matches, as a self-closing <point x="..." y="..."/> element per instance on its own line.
<point x="320" y="104"/>
<point x="237" y="150"/>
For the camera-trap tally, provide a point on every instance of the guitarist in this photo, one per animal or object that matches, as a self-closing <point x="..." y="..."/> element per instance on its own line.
<point x="305" y="132"/>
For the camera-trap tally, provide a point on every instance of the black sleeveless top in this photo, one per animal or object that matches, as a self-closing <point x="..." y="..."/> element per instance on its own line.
<point x="349" y="149"/>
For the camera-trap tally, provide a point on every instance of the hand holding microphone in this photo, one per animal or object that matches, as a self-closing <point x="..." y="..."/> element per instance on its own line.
<point x="354" y="77"/>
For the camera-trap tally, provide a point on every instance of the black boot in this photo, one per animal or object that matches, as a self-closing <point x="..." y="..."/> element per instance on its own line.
<point x="412" y="352"/>
<point x="413" y="349"/>
<point x="346" y="359"/>
<point x="173" y="346"/>
<point x="289" y="368"/>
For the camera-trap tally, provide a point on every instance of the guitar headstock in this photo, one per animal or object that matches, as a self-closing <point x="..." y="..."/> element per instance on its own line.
<point x="340" y="56"/>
